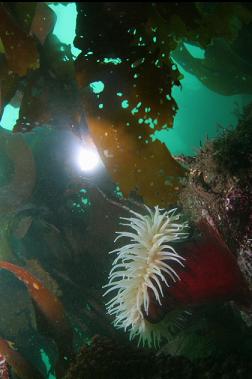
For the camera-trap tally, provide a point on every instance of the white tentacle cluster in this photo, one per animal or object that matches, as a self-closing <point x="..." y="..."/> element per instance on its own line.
<point x="145" y="262"/>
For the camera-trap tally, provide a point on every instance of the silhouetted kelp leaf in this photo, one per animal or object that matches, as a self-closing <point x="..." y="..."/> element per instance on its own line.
<point x="213" y="27"/>
<point x="20" y="187"/>
<point x="43" y="22"/>
<point x="221" y="21"/>
<point x="22" y="226"/>
<point x="123" y="54"/>
<point x="49" y="311"/>
<point x="21" y="367"/>
<point x="2" y="51"/>
<point x="134" y="98"/>
<point x="143" y="92"/>
<point x="22" y="12"/>
<point x="221" y="70"/>
<point x="57" y="57"/>
<point x="121" y="129"/>
<point x="8" y="83"/>
<point x="20" y="49"/>
<point x="197" y="22"/>
<point x="50" y="94"/>
<point x="35" y="108"/>
<point x="47" y="100"/>
<point x="102" y="28"/>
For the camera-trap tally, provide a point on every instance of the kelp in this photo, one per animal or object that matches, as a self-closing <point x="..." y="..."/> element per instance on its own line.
<point x="128" y="62"/>
<point x="50" y="314"/>
<point x="146" y="168"/>
<point x="142" y="89"/>
<point x="214" y="27"/>
<point x="6" y="251"/>
<point x="126" y="48"/>
<point x="44" y="104"/>
<point x="43" y="22"/>
<point x="128" y="56"/>
<point x="123" y="134"/>
<point x="20" y="187"/>
<point x="221" y="70"/>
<point x="57" y="57"/>
<point x="20" y="49"/>
<point x="135" y="100"/>
<point x="22" y="12"/>
<point x="21" y="367"/>
<point x="199" y="22"/>
<point x="8" y="83"/>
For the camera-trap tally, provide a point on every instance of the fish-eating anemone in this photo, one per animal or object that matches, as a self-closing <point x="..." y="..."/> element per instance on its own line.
<point x="151" y="278"/>
<point x="142" y="265"/>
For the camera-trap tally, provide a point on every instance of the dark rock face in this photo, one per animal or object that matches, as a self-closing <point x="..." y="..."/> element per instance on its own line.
<point x="105" y="359"/>
<point x="219" y="184"/>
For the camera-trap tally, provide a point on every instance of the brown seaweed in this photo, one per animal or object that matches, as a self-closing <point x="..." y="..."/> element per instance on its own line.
<point x="50" y="313"/>
<point x="21" y="367"/>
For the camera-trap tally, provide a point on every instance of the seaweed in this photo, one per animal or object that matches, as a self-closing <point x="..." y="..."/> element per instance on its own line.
<point x="50" y="315"/>
<point x="129" y="51"/>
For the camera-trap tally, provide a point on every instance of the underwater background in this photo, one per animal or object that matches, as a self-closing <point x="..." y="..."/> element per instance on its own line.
<point x="125" y="190"/>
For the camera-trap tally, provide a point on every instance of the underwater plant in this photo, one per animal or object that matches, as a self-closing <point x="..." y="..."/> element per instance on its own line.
<point x="10" y="357"/>
<point x="21" y="184"/>
<point x="141" y="265"/>
<point x="50" y="316"/>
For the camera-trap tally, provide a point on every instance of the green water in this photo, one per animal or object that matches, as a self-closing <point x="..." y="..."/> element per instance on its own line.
<point x="201" y="114"/>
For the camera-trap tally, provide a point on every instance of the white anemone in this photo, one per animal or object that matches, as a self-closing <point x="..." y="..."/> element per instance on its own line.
<point x="144" y="262"/>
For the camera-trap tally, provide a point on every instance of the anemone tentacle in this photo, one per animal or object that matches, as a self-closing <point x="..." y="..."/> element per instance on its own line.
<point x="144" y="263"/>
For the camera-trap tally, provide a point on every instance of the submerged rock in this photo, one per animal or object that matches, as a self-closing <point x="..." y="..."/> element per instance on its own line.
<point x="105" y="359"/>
